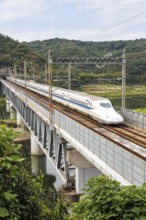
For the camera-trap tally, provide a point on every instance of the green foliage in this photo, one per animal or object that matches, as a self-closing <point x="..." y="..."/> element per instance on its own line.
<point x="22" y="195"/>
<point x="13" y="52"/>
<point x="107" y="199"/>
<point x="3" y="212"/>
<point x="60" y="210"/>
<point x="141" y="110"/>
<point x="135" y="53"/>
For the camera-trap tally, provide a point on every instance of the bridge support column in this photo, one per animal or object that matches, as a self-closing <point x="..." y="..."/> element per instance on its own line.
<point x="19" y="119"/>
<point x="35" y="148"/>
<point x="12" y="111"/>
<point x="35" y="164"/>
<point x="84" y="169"/>
<point x="7" y="105"/>
<point x="83" y="175"/>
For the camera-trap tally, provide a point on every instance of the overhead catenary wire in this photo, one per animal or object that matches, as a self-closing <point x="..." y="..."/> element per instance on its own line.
<point x="118" y="24"/>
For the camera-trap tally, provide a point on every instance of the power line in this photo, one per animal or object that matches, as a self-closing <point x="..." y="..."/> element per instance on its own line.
<point x="109" y="28"/>
<point x="116" y="25"/>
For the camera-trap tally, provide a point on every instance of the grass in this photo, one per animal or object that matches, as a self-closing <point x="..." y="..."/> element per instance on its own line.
<point x="113" y="91"/>
<point x="2" y="101"/>
<point x="9" y="122"/>
<point x="141" y="110"/>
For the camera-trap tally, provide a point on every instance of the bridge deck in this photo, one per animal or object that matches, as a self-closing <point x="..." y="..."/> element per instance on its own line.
<point x="105" y="155"/>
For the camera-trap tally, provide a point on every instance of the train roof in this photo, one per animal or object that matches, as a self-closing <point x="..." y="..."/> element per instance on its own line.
<point x="83" y="94"/>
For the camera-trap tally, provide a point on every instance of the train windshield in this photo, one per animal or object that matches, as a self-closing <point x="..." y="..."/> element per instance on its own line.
<point x="105" y="104"/>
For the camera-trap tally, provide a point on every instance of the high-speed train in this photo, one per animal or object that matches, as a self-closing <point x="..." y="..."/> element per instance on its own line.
<point x="98" y="108"/>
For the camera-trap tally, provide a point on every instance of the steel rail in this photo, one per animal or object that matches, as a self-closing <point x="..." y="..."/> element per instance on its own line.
<point x="101" y="129"/>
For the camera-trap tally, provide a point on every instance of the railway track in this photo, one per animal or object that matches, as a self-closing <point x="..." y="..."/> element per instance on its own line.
<point x="127" y="138"/>
<point x="129" y="134"/>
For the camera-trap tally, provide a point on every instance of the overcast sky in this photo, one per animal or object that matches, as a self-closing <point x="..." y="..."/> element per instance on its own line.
<point x="95" y="20"/>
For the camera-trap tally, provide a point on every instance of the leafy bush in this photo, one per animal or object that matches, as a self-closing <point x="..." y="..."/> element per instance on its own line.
<point x="106" y="199"/>
<point x="22" y="194"/>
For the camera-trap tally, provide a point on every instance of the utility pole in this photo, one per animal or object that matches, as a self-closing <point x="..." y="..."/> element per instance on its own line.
<point x="9" y="71"/>
<point x="25" y="73"/>
<point x="69" y="76"/>
<point x="123" y="80"/>
<point x="50" y="90"/>
<point x="19" y="73"/>
<point x="46" y="77"/>
<point x="33" y="73"/>
<point x="25" y="80"/>
<point x="15" y="71"/>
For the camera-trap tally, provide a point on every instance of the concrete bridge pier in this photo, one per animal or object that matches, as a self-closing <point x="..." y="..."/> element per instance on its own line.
<point x="7" y="105"/>
<point x="35" y="164"/>
<point x="84" y="169"/>
<point x="83" y="175"/>
<point x="35" y="147"/>
<point x="19" y="119"/>
<point x="53" y="174"/>
<point x="12" y="111"/>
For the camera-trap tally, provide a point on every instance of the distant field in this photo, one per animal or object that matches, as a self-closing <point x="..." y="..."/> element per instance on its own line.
<point x="113" y="91"/>
<point x="102" y="90"/>
<point x="141" y="110"/>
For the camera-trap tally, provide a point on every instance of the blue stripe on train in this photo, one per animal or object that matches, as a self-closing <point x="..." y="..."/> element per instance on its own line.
<point x="76" y="103"/>
<point x="68" y="100"/>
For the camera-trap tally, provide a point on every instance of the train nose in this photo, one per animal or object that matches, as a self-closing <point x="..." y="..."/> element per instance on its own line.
<point x="119" y="118"/>
<point x="114" y="119"/>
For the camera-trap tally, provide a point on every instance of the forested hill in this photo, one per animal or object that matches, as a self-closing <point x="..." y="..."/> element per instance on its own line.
<point x="13" y="52"/>
<point x="74" y="48"/>
<point x="135" y="50"/>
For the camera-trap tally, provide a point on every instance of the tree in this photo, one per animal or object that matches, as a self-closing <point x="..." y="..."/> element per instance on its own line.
<point x="107" y="199"/>
<point x="13" y="53"/>
<point x="22" y="195"/>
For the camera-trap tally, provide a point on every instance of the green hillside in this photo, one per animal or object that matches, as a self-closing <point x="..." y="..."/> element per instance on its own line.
<point x="12" y="52"/>
<point x="135" y="57"/>
<point x="73" y="48"/>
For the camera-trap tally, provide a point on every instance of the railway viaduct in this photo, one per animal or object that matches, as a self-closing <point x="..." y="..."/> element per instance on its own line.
<point x="75" y="150"/>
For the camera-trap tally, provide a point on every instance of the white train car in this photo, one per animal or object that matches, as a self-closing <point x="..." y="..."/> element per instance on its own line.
<point x="98" y="108"/>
